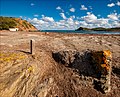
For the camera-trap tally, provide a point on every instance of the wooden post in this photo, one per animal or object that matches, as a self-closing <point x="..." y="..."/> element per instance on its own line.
<point x="32" y="46"/>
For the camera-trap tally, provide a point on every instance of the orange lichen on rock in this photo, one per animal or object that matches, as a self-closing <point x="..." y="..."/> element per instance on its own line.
<point x="107" y="53"/>
<point x="101" y="60"/>
<point x="105" y="66"/>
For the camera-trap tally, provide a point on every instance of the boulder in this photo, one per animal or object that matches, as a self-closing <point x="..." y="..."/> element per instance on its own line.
<point x="96" y="64"/>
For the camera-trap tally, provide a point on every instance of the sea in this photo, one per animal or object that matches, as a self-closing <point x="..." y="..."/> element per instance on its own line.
<point x="81" y="32"/>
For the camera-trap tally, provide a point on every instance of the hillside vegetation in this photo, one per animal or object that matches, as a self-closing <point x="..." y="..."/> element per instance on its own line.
<point x="10" y="22"/>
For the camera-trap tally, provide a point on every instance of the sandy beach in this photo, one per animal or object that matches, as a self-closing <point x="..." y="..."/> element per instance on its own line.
<point x="48" y="78"/>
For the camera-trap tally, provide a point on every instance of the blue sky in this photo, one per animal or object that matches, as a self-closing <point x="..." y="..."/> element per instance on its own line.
<point x="64" y="14"/>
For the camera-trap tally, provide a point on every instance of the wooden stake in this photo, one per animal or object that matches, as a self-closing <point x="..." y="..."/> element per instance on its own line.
<point x="32" y="46"/>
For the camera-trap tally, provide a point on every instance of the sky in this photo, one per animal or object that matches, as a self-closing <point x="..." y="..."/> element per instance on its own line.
<point x="64" y="14"/>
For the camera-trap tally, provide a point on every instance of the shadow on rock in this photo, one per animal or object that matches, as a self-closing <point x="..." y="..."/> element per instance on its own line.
<point x="76" y="60"/>
<point x="116" y="71"/>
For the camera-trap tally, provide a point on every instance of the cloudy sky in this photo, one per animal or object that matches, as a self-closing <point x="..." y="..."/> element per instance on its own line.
<point x="64" y="14"/>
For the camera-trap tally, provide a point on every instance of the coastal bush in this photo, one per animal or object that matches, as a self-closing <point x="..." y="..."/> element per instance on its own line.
<point x="6" y="23"/>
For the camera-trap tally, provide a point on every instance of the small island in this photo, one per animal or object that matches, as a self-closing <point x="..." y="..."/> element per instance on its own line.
<point x="116" y="29"/>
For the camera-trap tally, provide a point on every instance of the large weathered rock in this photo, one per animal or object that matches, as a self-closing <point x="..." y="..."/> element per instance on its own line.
<point x="82" y="61"/>
<point x="96" y="64"/>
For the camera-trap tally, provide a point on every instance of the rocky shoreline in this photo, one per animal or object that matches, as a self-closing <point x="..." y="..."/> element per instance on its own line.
<point x="23" y="74"/>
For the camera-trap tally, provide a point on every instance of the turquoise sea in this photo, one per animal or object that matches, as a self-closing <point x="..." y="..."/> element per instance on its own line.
<point x="81" y="32"/>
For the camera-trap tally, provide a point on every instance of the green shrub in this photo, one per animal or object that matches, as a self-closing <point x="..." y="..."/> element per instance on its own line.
<point x="6" y="23"/>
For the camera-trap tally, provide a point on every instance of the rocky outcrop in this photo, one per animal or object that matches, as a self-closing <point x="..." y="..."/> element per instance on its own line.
<point x="96" y="64"/>
<point x="79" y="29"/>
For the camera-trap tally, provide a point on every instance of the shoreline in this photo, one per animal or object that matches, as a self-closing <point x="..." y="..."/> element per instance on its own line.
<point x="36" y="32"/>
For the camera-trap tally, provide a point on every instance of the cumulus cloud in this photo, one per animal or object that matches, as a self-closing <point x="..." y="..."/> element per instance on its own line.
<point x="47" y="19"/>
<point x="113" y="16"/>
<point x="72" y="9"/>
<point x="111" y="5"/>
<point x="118" y="3"/>
<point x="90" y="20"/>
<point x="63" y="15"/>
<point x="83" y="7"/>
<point x="39" y="24"/>
<point x="43" y="24"/>
<point x="35" y="21"/>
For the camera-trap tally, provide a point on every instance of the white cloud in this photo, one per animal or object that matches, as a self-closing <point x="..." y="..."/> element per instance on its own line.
<point x="73" y="16"/>
<point x="63" y="15"/>
<point x="90" y="18"/>
<point x="59" y="8"/>
<point x="32" y="4"/>
<point x="101" y="21"/>
<point x="67" y="23"/>
<point x="118" y="3"/>
<point x="35" y="21"/>
<point x="36" y="15"/>
<point x="47" y="19"/>
<point x="92" y="21"/>
<point x="113" y="16"/>
<point x="89" y="13"/>
<point x="111" y="5"/>
<point x="72" y="9"/>
<point x="83" y="7"/>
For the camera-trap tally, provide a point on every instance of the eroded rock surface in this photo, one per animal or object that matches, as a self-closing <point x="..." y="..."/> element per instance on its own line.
<point x="96" y="64"/>
<point x="40" y="75"/>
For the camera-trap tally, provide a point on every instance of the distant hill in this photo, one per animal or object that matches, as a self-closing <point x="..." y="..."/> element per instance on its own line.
<point x="99" y="29"/>
<point x="10" y="22"/>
